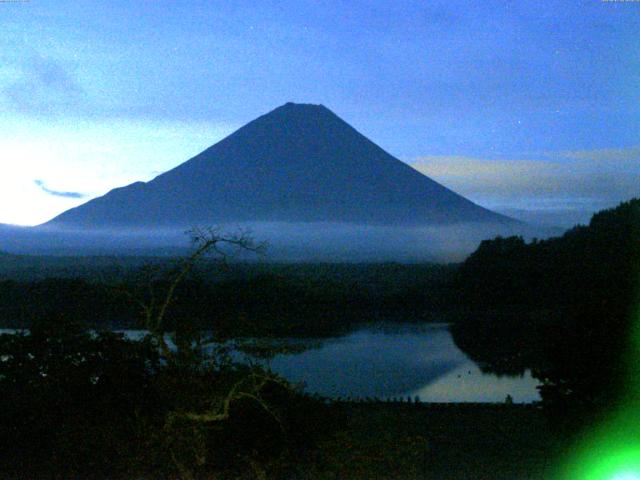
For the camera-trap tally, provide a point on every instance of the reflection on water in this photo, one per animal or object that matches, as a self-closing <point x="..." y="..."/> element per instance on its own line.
<point x="467" y="383"/>
<point x="400" y="361"/>
<point x="394" y="361"/>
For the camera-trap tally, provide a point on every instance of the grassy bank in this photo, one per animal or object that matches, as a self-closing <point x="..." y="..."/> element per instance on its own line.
<point x="435" y="441"/>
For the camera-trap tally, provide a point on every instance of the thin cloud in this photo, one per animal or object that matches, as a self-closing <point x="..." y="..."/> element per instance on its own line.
<point x="603" y="154"/>
<point x="543" y="179"/>
<point x="44" y="88"/>
<point x="580" y="181"/>
<point x="56" y="193"/>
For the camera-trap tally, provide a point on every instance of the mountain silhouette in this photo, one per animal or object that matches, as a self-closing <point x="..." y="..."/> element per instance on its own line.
<point x="297" y="163"/>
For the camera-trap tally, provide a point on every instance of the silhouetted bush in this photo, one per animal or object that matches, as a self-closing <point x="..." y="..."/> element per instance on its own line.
<point x="77" y="404"/>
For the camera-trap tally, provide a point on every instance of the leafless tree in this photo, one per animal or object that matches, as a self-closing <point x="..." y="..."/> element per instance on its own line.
<point x="221" y="248"/>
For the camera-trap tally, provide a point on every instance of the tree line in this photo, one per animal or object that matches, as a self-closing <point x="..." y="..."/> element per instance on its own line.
<point x="308" y="300"/>
<point x="566" y="307"/>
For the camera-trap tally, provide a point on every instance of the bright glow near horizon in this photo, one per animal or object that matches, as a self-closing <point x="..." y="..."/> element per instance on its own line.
<point x="87" y="158"/>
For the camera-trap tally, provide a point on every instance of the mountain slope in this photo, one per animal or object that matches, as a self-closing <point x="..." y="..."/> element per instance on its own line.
<point x="298" y="163"/>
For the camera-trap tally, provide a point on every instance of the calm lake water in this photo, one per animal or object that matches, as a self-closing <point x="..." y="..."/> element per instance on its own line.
<point x="397" y="361"/>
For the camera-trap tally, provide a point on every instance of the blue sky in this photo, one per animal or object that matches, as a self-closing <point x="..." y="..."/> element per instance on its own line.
<point x="528" y="107"/>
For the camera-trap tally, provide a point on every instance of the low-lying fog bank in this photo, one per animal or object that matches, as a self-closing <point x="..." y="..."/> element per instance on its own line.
<point x="285" y="241"/>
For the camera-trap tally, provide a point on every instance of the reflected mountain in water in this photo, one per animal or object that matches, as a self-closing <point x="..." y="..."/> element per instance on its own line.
<point x="407" y="361"/>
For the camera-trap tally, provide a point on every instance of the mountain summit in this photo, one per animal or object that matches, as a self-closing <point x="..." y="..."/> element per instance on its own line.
<point x="297" y="163"/>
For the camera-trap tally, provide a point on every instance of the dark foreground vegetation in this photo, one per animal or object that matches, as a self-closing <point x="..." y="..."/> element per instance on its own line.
<point x="79" y="401"/>
<point x="430" y="441"/>
<point x="81" y="405"/>
<point x="566" y="307"/>
<point x="241" y="299"/>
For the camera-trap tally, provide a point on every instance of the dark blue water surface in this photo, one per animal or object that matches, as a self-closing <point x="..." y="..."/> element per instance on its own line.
<point x="399" y="361"/>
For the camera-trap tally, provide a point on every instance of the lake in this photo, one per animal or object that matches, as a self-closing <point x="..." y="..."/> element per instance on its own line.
<point x="392" y="361"/>
<point x="399" y="361"/>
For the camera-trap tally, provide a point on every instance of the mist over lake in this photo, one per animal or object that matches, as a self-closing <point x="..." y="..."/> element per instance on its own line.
<point x="285" y="241"/>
